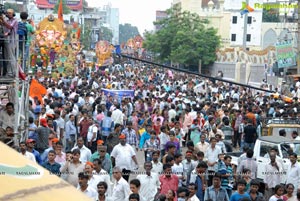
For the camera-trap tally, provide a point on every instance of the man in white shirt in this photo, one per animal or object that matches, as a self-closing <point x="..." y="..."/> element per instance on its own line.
<point x="7" y="116"/>
<point x="273" y="171"/>
<point x="192" y="192"/>
<point x="172" y="112"/>
<point x="211" y="155"/>
<point x="60" y="124"/>
<point x="121" y="187"/>
<point x="157" y="166"/>
<point x="293" y="173"/>
<point x="164" y="138"/>
<point x="85" y="153"/>
<point x="122" y="156"/>
<point x="150" y="183"/>
<point x="84" y="187"/>
<point x="25" y="153"/>
<point x="102" y="192"/>
<point x="177" y="168"/>
<point x="94" y="179"/>
<point x="117" y="115"/>
<point x="92" y="136"/>
<point x="101" y="174"/>
<point x="202" y="145"/>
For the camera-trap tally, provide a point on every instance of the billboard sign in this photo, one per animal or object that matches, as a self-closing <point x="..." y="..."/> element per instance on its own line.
<point x="285" y="55"/>
<point x="72" y="4"/>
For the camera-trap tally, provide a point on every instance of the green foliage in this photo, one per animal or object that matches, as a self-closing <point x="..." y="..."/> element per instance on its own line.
<point x="183" y="38"/>
<point x="66" y="9"/>
<point x="271" y="15"/>
<point x="85" y="4"/>
<point x="126" y="32"/>
<point x="13" y="6"/>
<point x="85" y="36"/>
<point x="106" y="34"/>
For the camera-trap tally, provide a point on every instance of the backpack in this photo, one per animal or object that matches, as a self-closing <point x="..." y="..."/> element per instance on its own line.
<point x="22" y="31"/>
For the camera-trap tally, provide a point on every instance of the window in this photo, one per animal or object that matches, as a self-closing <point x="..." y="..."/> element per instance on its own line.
<point x="249" y="21"/>
<point x="248" y="39"/>
<point x="265" y="149"/>
<point x="234" y="19"/>
<point x="233" y="37"/>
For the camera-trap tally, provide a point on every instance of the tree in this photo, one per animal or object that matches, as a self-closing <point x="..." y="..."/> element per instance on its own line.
<point x="183" y="38"/>
<point x="271" y="15"/>
<point x="85" y="36"/>
<point x="106" y="34"/>
<point x="66" y="9"/>
<point x="13" y="6"/>
<point x="126" y="32"/>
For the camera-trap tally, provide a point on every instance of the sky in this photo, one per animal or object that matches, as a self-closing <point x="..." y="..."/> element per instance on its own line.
<point x="140" y="13"/>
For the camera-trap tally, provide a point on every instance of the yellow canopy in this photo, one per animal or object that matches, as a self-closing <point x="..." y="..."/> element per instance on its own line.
<point x="24" y="180"/>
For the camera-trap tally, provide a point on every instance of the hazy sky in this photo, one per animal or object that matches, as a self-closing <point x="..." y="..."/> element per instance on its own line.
<point x="140" y="13"/>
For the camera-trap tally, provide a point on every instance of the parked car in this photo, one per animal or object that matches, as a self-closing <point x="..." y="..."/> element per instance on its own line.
<point x="261" y="150"/>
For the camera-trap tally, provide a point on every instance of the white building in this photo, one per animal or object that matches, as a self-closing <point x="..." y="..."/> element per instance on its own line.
<point x="254" y="23"/>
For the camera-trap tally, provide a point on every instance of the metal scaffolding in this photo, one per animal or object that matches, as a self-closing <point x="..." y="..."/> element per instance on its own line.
<point x="15" y="90"/>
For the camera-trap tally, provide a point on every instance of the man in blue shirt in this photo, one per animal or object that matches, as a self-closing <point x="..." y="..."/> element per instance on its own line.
<point x="240" y="193"/>
<point x="216" y="192"/>
<point x="30" y="148"/>
<point x="51" y="165"/>
<point x="200" y="179"/>
<point x="145" y="136"/>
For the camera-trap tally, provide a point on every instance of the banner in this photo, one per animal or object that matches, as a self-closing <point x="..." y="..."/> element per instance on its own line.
<point x="72" y="4"/>
<point x="285" y="55"/>
<point x="37" y="90"/>
<point x="119" y="94"/>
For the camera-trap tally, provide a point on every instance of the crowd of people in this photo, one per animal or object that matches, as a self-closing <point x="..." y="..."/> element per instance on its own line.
<point x="180" y="126"/>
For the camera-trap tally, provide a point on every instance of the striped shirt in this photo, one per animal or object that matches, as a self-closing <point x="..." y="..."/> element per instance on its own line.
<point x="131" y="137"/>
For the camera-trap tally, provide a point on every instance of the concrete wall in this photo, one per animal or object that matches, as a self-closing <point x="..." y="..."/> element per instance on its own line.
<point x="256" y="76"/>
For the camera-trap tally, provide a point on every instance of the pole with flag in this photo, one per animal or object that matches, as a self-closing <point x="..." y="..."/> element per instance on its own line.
<point x="60" y="10"/>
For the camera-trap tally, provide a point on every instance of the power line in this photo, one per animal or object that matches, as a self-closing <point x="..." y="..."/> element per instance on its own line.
<point x="193" y="73"/>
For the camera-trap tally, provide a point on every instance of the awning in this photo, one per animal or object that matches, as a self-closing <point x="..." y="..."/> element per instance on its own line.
<point x="22" y="179"/>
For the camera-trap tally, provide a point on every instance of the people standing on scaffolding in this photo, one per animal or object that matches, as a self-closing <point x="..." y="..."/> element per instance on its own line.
<point x="10" y="25"/>
<point x="26" y="41"/>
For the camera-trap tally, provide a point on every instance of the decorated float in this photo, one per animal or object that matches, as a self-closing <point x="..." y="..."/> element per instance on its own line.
<point x="55" y="48"/>
<point x="134" y="47"/>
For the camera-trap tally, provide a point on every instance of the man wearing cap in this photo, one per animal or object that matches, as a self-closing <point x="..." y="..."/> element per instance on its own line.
<point x="122" y="156"/>
<point x="94" y="178"/>
<point x="102" y="155"/>
<point x="43" y="132"/>
<point x="84" y="187"/>
<point x="30" y="148"/>
<point x="24" y="152"/>
<point x="44" y="155"/>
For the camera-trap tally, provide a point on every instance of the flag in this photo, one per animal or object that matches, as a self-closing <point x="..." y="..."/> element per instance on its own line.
<point x="60" y="11"/>
<point x="78" y="33"/>
<point x="22" y="75"/>
<point x="37" y="90"/>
